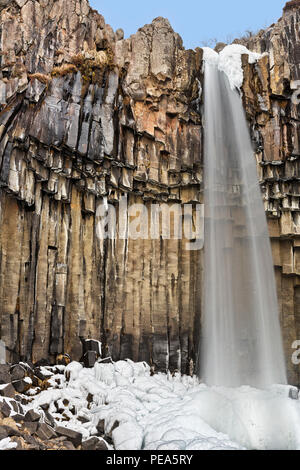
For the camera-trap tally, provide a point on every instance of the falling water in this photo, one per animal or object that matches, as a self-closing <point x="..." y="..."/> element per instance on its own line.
<point x="241" y="343"/>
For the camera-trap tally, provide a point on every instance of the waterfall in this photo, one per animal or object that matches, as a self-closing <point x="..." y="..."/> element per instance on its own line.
<point x="241" y="339"/>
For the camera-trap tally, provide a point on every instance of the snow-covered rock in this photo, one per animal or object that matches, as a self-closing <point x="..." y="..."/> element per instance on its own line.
<point x="164" y="412"/>
<point x="229" y="60"/>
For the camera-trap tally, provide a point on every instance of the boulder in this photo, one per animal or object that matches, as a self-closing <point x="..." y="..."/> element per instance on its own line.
<point x="22" y="386"/>
<point x="94" y="443"/>
<point x="45" y="432"/>
<point x="114" y="426"/>
<point x="10" y="430"/>
<point x="5" y="409"/>
<point x="39" y="374"/>
<point x="63" y="359"/>
<point x="31" y="441"/>
<point x="7" y="391"/>
<point x="32" y="416"/>
<point x="31" y="426"/>
<point x="89" y="359"/>
<point x="17" y="372"/>
<point x="68" y="446"/>
<point x="3" y="433"/>
<point x="18" y="418"/>
<point x="91" y="345"/>
<point x="74" y="436"/>
<point x="294" y="393"/>
<point x="101" y="427"/>
<point x="48" y="418"/>
<point x="82" y="419"/>
<point x="14" y="405"/>
<point x="5" y="376"/>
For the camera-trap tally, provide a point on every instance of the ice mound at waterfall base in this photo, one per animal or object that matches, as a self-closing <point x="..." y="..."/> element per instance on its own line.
<point x="168" y="412"/>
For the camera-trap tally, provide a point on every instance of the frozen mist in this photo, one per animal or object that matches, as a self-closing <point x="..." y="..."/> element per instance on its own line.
<point x="241" y="339"/>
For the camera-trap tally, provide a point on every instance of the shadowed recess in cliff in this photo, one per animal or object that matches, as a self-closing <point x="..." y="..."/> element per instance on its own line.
<point x="241" y="332"/>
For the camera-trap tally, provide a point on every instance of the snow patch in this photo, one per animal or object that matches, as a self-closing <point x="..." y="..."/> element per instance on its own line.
<point x="229" y="61"/>
<point x="7" y="443"/>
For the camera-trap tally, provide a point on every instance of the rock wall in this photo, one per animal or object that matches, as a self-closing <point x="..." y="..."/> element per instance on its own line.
<point x="86" y="117"/>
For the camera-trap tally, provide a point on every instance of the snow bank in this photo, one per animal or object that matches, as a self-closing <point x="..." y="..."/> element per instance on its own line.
<point x="256" y="419"/>
<point x="230" y="62"/>
<point x="7" y="443"/>
<point x="128" y="436"/>
<point x="167" y="412"/>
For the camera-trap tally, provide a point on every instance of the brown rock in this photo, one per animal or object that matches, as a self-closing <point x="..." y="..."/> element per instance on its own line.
<point x="45" y="432"/>
<point x="18" y="418"/>
<point x="5" y="409"/>
<point x="83" y="419"/>
<point x="21" y="386"/>
<point x="68" y="446"/>
<point x="101" y="426"/>
<point x="32" y="416"/>
<point x="7" y="391"/>
<point x="4" y="374"/>
<point x="49" y="419"/>
<point x="32" y="443"/>
<point x="31" y="426"/>
<point x="63" y="359"/>
<point x="114" y="426"/>
<point x="15" y="406"/>
<point x="94" y="443"/>
<point x="119" y="34"/>
<point x="73" y="436"/>
<point x="3" y="433"/>
<point x="17" y="372"/>
<point x="10" y="431"/>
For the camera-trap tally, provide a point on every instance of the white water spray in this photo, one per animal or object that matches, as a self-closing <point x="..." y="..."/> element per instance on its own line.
<point x="241" y="343"/>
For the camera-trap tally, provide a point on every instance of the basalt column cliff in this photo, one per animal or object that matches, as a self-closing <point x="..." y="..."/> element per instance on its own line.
<point x="87" y="115"/>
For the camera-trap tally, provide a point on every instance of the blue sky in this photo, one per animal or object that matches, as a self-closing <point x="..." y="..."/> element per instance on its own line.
<point x="197" y="21"/>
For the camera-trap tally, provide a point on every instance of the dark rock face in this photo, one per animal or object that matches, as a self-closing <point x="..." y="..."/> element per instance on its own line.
<point x="89" y="358"/>
<point x="84" y="119"/>
<point x="88" y="116"/>
<point x="91" y="352"/>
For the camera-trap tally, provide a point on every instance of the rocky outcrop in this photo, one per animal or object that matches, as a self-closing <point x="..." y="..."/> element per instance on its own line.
<point x="87" y="117"/>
